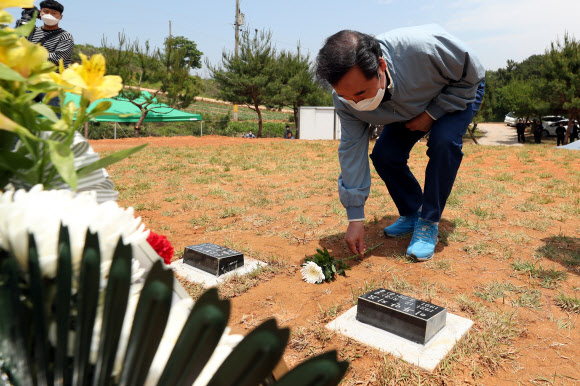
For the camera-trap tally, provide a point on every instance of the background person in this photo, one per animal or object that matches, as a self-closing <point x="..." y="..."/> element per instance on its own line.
<point x="413" y="81"/>
<point x="286" y="131"/>
<point x="537" y="130"/>
<point x="58" y="42"/>
<point x="560" y="133"/>
<point x="521" y="128"/>
<point x="574" y="133"/>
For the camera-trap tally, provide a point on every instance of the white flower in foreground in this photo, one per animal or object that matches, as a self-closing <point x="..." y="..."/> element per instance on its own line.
<point x="312" y="273"/>
<point x="40" y="212"/>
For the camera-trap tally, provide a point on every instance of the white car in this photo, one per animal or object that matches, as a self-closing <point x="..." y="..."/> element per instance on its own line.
<point x="550" y="123"/>
<point x="550" y="129"/>
<point x="510" y="119"/>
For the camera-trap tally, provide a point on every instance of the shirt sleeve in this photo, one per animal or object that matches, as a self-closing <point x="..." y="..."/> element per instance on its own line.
<point x="354" y="182"/>
<point x="462" y="72"/>
<point x="63" y="50"/>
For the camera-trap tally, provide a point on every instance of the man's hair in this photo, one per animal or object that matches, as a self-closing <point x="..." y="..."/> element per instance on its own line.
<point x="344" y="50"/>
<point x="52" y="4"/>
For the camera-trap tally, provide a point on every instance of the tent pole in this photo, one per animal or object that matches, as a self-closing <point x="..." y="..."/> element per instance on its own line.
<point x="201" y="122"/>
<point x="115" y="135"/>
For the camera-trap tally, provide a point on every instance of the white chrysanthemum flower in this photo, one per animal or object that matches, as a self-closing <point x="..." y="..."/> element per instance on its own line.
<point x="312" y="273"/>
<point x="40" y="212"/>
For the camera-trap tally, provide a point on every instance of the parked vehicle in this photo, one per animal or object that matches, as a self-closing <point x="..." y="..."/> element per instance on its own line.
<point x="510" y="119"/>
<point x="549" y="123"/>
<point x="551" y="128"/>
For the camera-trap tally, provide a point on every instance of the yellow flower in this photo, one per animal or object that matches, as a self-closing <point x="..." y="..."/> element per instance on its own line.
<point x="58" y="79"/>
<point x="23" y="56"/>
<point x="5" y="18"/>
<point x="90" y="77"/>
<point x="16" y="3"/>
<point x="9" y="125"/>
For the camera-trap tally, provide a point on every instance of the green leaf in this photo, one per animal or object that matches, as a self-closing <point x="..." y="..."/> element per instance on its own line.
<point x="14" y="161"/>
<point x="63" y="159"/>
<point x="44" y="110"/>
<point x="6" y="73"/>
<point x="109" y="160"/>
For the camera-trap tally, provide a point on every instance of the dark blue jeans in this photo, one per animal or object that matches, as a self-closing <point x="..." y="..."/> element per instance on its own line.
<point x="391" y="153"/>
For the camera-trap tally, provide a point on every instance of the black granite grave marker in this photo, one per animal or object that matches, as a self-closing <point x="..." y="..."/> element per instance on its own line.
<point x="213" y="258"/>
<point x="401" y="315"/>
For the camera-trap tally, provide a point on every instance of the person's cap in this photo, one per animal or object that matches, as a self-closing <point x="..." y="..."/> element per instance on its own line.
<point x="52" y="4"/>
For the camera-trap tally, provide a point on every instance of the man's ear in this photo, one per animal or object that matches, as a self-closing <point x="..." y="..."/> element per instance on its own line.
<point x="382" y="63"/>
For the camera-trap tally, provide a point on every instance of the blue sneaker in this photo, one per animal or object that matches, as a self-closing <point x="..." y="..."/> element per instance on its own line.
<point x="403" y="226"/>
<point x="424" y="239"/>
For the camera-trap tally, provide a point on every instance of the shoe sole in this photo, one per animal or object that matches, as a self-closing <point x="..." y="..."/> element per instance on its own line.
<point x="399" y="235"/>
<point x="423" y="258"/>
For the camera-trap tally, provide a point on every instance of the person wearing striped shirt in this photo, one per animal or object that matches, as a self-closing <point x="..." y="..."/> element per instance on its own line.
<point x="58" y="42"/>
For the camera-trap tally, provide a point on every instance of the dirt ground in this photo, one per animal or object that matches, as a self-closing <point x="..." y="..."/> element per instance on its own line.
<point x="276" y="201"/>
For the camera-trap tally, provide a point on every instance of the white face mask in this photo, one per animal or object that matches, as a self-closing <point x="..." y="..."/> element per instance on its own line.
<point x="370" y="103"/>
<point x="49" y="20"/>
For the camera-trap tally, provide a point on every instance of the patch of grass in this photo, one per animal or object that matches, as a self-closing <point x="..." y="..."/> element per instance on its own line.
<point x="290" y="208"/>
<point x="495" y="290"/>
<point x="568" y="303"/>
<point x="529" y="299"/>
<point x="329" y="313"/>
<point x="506" y="177"/>
<point x="398" y="285"/>
<point x="529" y="223"/>
<point x="490" y="341"/>
<point x="232" y="211"/>
<point x="541" y="199"/>
<point x="549" y="278"/>
<point x="367" y="287"/>
<point x="169" y="199"/>
<point x="200" y="221"/>
<point x="480" y="248"/>
<point x="527" y="207"/>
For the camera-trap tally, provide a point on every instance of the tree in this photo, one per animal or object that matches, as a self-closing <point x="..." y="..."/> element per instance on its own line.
<point x="525" y="98"/>
<point x="160" y="70"/>
<point x="192" y="56"/>
<point x="562" y="74"/>
<point x="249" y="78"/>
<point x="298" y="85"/>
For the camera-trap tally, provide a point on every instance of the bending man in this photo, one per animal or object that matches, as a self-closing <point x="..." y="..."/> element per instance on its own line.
<point x="413" y="81"/>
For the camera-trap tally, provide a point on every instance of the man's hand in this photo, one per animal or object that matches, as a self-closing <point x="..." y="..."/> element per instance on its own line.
<point x="355" y="237"/>
<point x="421" y="122"/>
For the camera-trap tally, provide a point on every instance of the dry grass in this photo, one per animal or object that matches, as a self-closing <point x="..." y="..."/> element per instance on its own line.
<point x="509" y="256"/>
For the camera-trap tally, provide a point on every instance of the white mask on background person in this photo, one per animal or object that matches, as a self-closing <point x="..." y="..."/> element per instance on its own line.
<point x="370" y="103"/>
<point x="49" y="20"/>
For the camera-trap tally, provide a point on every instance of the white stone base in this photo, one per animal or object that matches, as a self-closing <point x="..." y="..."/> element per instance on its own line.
<point x="425" y="356"/>
<point x="207" y="279"/>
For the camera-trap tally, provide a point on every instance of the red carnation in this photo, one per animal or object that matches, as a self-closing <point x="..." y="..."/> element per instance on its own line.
<point x="161" y="245"/>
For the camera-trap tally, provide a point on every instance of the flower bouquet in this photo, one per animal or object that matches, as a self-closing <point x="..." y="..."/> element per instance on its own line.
<point x="77" y="308"/>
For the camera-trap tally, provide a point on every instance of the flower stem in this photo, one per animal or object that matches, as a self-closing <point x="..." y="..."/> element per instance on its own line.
<point x="362" y="254"/>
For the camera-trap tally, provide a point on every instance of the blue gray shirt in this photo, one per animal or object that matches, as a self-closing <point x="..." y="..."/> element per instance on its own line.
<point x="430" y="71"/>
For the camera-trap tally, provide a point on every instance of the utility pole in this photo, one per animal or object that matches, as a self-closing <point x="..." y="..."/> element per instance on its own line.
<point x="169" y="29"/>
<point x="239" y="21"/>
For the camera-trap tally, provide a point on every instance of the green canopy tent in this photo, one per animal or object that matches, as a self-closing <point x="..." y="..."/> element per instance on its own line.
<point x="125" y="111"/>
